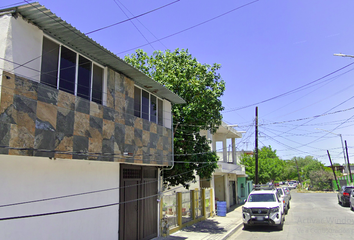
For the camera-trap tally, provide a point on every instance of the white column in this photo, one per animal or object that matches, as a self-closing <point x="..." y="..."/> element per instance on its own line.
<point x="224" y="149"/>
<point x="233" y="150"/>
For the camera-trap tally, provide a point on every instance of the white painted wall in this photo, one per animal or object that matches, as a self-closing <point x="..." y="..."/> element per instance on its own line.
<point x="32" y="178"/>
<point x="167" y="121"/>
<point x="23" y="44"/>
<point x="4" y="28"/>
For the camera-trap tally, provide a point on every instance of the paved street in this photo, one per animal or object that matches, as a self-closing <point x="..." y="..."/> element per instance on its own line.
<point x="311" y="216"/>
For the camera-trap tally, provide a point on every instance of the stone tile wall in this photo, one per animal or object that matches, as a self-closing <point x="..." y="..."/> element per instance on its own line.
<point x="38" y="120"/>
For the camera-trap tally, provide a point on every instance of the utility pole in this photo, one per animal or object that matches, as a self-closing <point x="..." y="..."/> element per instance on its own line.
<point x="349" y="170"/>
<point x="334" y="172"/>
<point x="256" y="147"/>
<point x="298" y="173"/>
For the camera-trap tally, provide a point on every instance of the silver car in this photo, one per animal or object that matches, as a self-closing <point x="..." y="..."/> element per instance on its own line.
<point x="287" y="191"/>
<point x="285" y="199"/>
<point x="351" y="200"/>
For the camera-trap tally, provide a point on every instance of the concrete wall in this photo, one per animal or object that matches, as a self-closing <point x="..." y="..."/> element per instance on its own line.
<point x="33" y="178"/>
<point x="219" y="187"/>
<point x="21" y="43"/>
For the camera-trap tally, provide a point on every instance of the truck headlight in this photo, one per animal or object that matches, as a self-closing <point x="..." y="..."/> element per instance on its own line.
<point x="274" y="210"/>
<point x="246" y="210"/>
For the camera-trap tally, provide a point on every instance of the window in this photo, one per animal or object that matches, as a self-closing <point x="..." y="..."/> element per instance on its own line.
<point x="148" y="106"/>
<point x="153" y="109"/>
<point x="261" y="198"/>
<point x="71" y="72"/>
<point x="137" y="101"/>
<point x="145" y="105"/>
<point x="160" y="112"/>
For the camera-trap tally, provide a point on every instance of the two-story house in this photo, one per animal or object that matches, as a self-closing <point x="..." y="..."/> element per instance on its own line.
<point x="83" y="134"/>
<point x="229" y="181"/>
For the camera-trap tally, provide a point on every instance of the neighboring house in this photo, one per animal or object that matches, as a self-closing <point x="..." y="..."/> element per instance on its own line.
<point x="345" y="170"/>
<point x="339" y="168"/>
<point x="83" y="134"/>
<point x="229" y="180"/>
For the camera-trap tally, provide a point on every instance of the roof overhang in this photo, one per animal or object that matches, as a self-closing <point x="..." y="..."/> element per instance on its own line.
<point x="228" y="168"/>
<point x="62" y="31"/>
<point x="227" y="131"/>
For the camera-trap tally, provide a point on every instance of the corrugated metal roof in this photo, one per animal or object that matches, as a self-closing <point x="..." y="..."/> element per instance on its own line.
<point x="70" y="36"/>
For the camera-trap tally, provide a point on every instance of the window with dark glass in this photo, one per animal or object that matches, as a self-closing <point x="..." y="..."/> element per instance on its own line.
<point x="145" y="105"/>
<point x="97" y="86"/>
<point x="49" y="68"/>
<point x="77" y="74"/>
<point x="148" y="106"/>
<point x="137" y="101"/>
<point x="160" y="112"/>
<point x="84" y="78"/>
<point x="153" y="108"/>
<point x="67" y="70"/>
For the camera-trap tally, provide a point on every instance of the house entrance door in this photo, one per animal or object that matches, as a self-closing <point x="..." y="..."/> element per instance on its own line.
<point x="138" y="198"/>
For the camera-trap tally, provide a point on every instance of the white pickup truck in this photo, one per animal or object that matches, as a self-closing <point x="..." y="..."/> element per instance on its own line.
<point x="263" y="207"/>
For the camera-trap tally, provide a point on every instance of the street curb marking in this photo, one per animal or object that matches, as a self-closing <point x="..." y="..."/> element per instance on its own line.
<point x="237" y="227"/>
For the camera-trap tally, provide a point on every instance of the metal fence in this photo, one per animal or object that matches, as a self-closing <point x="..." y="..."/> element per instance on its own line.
<point x="169" y="209"/>
<point x="186" y="207"/>
<point x="199" y="204"/>
<point x="207" y="202"/>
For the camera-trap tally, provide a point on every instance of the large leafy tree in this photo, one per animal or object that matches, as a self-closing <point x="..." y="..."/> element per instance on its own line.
<point x="201" y="86"/>
<point x="270" y="167"/>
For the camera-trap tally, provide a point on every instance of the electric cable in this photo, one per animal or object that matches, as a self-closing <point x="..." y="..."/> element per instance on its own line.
<point x="194" y="26"/>
<point x="289" y="92"/>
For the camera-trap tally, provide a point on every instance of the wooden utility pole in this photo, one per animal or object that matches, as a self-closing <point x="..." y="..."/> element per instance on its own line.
<point x="334" y="172"/>
<point x="350" y="172"/>
<point x="256" y="147"/>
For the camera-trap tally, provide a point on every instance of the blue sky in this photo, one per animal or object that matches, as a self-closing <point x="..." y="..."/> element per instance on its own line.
<point x="266" y="49"/>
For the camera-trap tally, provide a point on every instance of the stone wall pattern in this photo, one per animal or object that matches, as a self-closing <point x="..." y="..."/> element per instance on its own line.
<point x="38" y="120"/>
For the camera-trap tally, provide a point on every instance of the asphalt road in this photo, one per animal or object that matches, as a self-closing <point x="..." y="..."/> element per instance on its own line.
<point x="311" y="216"/>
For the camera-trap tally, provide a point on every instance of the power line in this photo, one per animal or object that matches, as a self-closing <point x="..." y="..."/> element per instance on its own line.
<point x="197" y="25"/>
<point x="291" y="91"/>
<point x="88" y="208"/>
<point x="134" y="24"/>
<point x="126" y="20"/>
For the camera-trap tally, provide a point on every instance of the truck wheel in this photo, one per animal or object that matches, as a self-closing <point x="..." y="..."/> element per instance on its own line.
<point x="280" y="226"/>
<point x="246" y="226"/>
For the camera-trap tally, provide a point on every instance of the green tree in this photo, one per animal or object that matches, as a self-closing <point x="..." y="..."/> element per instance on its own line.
<point x="201" y="86"/>
<point x="307" y="165"/>
<point x="321" y="179"/>
<point x="270" y="167"/>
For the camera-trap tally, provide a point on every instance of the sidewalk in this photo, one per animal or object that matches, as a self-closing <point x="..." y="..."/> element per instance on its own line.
<point x="219" y="228"/>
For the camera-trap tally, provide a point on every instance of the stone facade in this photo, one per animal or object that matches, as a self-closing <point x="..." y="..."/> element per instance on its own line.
<point x="38" y="120"/>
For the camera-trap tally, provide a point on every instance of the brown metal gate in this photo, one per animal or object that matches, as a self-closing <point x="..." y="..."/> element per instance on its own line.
<point x="138" y="195"/>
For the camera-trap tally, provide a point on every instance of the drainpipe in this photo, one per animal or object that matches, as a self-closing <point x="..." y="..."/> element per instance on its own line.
<point x="162" y="169"/>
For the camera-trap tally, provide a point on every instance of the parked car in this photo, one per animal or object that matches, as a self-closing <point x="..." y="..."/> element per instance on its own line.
<point x="351" y="200"/>
<point x="287" y="191"/>
<point x="263" y="207"/>
<point x="344" y="195"/>
<point x="292" y="185"/>
<point x="285" y="198"/>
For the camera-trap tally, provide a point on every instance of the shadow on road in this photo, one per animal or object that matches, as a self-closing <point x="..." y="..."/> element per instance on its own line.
<point x="207" y="226"/>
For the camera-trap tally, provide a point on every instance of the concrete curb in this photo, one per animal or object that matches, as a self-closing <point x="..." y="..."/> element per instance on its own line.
<point x="235" y="229"/>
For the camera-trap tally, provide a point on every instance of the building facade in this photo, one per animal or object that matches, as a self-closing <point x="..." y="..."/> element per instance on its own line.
<point x="83" y="135"/>
<point x="229" y="180"/>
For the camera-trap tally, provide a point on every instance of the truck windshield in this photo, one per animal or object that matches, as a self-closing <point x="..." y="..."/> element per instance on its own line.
<point x="266" y="197"/>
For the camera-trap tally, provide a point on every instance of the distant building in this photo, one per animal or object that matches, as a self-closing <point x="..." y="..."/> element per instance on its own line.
<point x="339" y="168"/>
